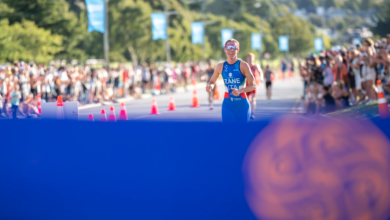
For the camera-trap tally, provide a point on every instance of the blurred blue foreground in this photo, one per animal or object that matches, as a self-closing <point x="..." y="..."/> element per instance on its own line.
<point x="134" y="170"/>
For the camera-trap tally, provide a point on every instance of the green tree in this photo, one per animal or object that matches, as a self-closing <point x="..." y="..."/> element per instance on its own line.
<point x="315" y="20"/>
<point x="367" y="4"/>
<point x="130" y="31"/>
<point x="25" y="41"/>
<point x="332" y="3"/>
<point x="300" y="31"/>
<point x="54" y="16"/>
<point x="352" y="4"/>
<point x="306" y="3"/>
<point x="383" y="26"/>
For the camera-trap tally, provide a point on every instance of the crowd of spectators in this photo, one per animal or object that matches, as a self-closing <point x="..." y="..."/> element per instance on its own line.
<point x="342" y="77"/>
<point x="335" y="79"/>
<point x="22" y="84"/>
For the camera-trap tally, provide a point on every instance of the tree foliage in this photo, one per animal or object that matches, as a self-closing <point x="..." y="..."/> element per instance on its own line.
<point x="130" y="27"/>
<point x="53" y="15"/>
<point x="301" y="33"/>
<point x="383" y="26"/>
<point x="25" y="41"/>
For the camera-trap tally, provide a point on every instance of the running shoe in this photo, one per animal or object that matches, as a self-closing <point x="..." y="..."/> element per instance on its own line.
<point x="253" y="116"/>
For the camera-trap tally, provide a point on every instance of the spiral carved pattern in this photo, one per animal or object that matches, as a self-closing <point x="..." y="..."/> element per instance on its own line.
<point x="321" y="170"/>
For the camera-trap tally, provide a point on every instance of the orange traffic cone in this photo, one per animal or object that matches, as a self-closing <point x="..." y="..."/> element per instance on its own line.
<point x="39" y="107"/>
<point x="382" y="104"/>
<point x="60" y="108"/>
<point x="111" y="116"/>
<point x="158" y="84"/>
<point x="195" y="101"/>
<point x="216" y="94"/>
<point x="39" y="103"/>
<point x="90" y="117"/>
<point x="123" y="113"/>
<point x="193" y="81"/>
<point x="103" y="117"/>
<point x="154" y="110"/>
<point x="172" y="106"/>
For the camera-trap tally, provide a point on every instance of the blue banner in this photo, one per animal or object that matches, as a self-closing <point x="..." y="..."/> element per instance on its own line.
<point x="159" y="23"/>
<point x="283" y="43"/>
<point x="197" y="30"/>
<point x="256" y="41"/>
<point x="226" y="34"/>
<point x="95" y="10"/>
<point x="318" y="45"/>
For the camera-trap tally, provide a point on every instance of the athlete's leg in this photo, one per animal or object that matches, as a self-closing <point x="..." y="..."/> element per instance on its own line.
<point x="252" y="101"/>
<point x="244" y="111"/>
<point x="250" y="98"/>
<point x="227" y="113"/>
<point x="269" y="89"/>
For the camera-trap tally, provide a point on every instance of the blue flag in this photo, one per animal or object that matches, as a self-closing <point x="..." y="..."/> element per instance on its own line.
<point x="159" y="25"/>
<point x="256" y="41"/>
<point x="226" y="34"/>
<point x="283" y="43"/>
<point x="95" y="10"/>
<point x="197" y="30"/>
<point x="318" y="44"/>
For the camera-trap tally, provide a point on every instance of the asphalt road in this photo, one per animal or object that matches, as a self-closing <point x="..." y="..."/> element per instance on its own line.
<point x="284" y="99"/>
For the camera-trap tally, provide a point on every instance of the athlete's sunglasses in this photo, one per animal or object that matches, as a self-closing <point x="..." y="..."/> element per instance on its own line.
<point x="230" y="46"/>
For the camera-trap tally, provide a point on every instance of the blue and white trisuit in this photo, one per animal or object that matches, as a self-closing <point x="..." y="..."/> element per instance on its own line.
<point x="234" y="108"/>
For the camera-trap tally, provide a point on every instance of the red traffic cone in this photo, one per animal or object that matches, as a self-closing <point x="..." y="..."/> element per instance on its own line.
<point x="154" y="110"/>
<point x="90" y="117"/>
<point x="195" y="101"/>
<point x="39" y="107"/>
<point x="172" y="106"/>
<point x="39" y="103"/>
<point x="382" y="104"/>
<point x="123" y="113"/>
<point x="193" y="81"/>
<point x="60" y="108"/>
<point x="216" y="94"/>
<point x="103" y="117"/>
<point x="111" y="116"/>
<point x="158" y="84"/>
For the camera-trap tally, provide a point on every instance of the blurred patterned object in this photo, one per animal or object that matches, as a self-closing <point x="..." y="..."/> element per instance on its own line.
<point x="323" y="169"/>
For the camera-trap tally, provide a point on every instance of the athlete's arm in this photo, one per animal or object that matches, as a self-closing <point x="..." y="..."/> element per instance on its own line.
<point x="214" y="77"/>
<point x="261" y="74"/>
<point x="246" y="71"/>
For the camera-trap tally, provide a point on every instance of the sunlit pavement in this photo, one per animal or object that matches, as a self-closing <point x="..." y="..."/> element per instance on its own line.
<point x="284" y="98"/>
